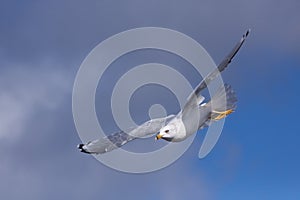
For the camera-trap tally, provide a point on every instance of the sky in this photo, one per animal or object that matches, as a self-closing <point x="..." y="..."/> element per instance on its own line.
<point x="42" y="45"/>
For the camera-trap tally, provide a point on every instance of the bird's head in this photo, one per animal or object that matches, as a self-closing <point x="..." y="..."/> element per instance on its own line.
<point x="168" y="132"/>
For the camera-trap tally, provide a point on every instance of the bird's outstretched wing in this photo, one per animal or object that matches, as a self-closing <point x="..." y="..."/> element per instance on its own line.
<point x="118" y="139"/>
<point x="195" y="95"/>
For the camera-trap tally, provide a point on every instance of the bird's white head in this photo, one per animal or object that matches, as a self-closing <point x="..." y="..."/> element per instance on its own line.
<point x="168" y="132"/>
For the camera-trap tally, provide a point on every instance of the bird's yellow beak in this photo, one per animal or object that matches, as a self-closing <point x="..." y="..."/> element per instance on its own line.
<point x="158" y="136"/>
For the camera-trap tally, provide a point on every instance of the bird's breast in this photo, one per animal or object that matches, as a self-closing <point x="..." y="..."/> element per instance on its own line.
<point x="181" y="132"/>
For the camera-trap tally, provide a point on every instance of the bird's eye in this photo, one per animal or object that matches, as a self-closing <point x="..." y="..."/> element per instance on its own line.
<point x="166" y="131"/>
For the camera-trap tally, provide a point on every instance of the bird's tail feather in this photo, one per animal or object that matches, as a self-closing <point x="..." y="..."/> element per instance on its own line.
<point x="223" y="102"/>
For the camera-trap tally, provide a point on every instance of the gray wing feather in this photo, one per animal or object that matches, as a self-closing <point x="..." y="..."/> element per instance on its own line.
<point x="222" y="66"/>
<point x="120" y="138"/>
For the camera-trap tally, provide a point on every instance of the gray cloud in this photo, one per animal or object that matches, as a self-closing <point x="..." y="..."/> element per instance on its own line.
<point x="24" y="90"/>
<point x="69" y="29"/>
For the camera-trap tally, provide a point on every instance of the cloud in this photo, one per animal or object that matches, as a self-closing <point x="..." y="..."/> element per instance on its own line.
<point x="42" y="46"/>
<point x="24" y="90"/>
<point x="45" y="29"/>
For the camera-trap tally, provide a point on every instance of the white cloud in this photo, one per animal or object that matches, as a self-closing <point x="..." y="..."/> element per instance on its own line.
<point x="26" y="88"/>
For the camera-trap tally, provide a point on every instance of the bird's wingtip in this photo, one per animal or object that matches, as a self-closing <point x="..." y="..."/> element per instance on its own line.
<point x="80" y="147"/>
<point x="247" y="32"/>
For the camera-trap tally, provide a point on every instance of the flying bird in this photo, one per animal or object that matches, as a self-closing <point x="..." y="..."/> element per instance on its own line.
<point x="194" y="115"/>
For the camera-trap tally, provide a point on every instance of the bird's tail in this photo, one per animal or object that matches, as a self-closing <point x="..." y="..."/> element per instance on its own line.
<point x="223" y="102"/>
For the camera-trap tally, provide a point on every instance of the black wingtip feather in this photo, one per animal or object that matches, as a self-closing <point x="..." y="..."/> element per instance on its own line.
<point x="80" y="147"/>
<point x="247" y="32"/>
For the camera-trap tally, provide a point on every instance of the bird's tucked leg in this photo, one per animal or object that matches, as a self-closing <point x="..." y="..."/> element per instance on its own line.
<point x="217" y="115"/>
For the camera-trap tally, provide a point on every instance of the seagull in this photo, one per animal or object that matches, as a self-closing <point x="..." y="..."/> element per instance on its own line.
<point x="195" y="115"/>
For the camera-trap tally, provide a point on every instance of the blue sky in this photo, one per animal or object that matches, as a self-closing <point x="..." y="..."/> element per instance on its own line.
<point x="42" y="44"/>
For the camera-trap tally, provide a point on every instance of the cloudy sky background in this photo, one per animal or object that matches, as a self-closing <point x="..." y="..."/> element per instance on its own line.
<point x="42" y="44"/>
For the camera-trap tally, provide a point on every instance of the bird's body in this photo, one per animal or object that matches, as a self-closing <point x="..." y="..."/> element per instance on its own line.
<point x="194" y="116"/>
<point x="199" y="116"/>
